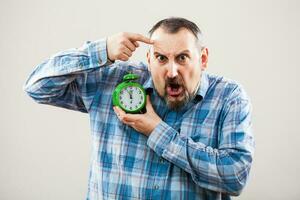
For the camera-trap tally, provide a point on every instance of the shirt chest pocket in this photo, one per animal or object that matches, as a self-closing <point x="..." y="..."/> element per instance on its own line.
<point x="202" y="128"/>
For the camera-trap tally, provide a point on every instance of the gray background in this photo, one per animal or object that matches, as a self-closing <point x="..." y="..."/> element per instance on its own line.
<point x="45" y="150"/>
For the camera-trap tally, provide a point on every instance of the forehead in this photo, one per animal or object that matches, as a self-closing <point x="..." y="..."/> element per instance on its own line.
<point x="172" y="43"/>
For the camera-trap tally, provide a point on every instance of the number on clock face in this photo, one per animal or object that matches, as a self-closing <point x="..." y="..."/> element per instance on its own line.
<point x="131" y="98"/>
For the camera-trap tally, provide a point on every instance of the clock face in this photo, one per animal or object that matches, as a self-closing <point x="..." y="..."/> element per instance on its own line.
<point x="131" y="98"/>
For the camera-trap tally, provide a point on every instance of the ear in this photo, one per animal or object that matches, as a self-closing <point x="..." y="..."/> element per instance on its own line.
<point x="204" y="58"/>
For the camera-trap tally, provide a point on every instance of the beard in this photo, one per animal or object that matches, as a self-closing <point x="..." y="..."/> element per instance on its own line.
<point x="176" y="94"/>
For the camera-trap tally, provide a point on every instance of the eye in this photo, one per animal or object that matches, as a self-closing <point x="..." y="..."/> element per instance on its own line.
<point x="182" y="58"/>
<point x="161" y="58"/>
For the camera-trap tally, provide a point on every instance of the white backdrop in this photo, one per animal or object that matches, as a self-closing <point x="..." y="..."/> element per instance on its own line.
<point x="45" y="150"/>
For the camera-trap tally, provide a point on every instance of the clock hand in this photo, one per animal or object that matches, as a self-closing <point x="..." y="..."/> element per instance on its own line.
<point x="130" y="94"/>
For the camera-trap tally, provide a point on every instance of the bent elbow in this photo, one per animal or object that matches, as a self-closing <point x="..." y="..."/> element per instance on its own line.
<point x="236" y="185"/>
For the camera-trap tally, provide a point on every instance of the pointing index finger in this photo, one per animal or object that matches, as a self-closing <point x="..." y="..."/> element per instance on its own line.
<point x="141" y="38"/>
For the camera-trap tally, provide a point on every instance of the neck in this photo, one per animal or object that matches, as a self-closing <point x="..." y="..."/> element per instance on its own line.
<point x="197" y="87"/>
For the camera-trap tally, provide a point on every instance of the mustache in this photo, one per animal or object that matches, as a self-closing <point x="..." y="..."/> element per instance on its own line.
<point x="174" y="82"/>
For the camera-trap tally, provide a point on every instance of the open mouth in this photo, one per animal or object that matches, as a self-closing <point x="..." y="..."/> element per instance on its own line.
<point x="174" y="90"/>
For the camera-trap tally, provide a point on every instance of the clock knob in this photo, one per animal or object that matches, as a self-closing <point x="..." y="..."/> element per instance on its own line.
<point x="130" y="77"/>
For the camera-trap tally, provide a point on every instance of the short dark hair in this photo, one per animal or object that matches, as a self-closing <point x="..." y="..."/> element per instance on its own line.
<point x="174" y="24"/>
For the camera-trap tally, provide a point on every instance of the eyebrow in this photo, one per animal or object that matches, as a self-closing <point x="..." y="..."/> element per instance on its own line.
<point x="184" y="51"/>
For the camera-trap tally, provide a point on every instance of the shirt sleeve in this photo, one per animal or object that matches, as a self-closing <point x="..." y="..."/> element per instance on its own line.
<point x="66" y="79"/>
<point x="224" y="169"/>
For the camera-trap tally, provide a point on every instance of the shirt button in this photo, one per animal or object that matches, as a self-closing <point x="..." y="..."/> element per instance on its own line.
<point x="156" y="187"/>
<point x="161" y="160"/>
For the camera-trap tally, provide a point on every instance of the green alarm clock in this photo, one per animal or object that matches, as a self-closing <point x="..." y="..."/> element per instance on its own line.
<point x="130" y="96"/>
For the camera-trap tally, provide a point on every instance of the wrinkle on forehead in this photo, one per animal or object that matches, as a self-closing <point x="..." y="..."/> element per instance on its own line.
<point x="168" y="50"/>
<point x="172" y="44"/>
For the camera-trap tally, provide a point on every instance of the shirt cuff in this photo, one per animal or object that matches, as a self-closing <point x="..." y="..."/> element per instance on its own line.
<point x="98" y="52"/>
<point x="161" y="137"/>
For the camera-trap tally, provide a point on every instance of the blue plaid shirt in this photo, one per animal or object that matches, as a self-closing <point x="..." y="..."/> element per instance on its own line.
<point x="202" y="151"/>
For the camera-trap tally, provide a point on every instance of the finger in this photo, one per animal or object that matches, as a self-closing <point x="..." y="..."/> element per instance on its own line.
<point x="141" y="38"/>
<point x="129" y="123"/>
<point x="131" y="117"/>
<point x="125" y="117"/>
<point x="127" y="51"/>
<point x="122" y="115"/>
<point x="124" y="57"/>
<point x="136" y="44"/>
<point x="129" y="45"/>
<point x="117" y="111"/>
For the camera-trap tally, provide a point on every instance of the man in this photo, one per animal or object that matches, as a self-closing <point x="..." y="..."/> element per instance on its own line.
<point x="193" y="142"/>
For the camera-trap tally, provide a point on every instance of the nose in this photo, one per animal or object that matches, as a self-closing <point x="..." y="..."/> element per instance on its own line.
<point x="172" y="70"/>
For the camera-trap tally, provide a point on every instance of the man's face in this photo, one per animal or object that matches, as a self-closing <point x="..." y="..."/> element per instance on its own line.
<point x="175" y="62"/>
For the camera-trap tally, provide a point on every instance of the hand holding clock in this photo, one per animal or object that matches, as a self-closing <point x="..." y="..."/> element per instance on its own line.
<point x="143" y="123"/>
<point x="121" y="46"/>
